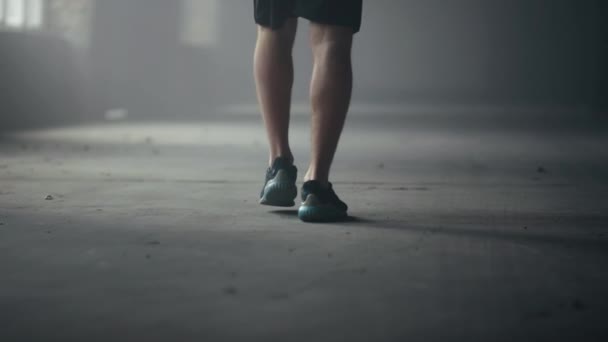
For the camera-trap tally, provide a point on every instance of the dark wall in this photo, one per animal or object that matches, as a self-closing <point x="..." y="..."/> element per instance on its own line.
<point x="42" y="81"/>
<point x="503" y="52"/>
<point x="601" y="67"/>
<point x="545" y="51"/>
<point x="536" y="52"/>
<point x="525" y="52"/>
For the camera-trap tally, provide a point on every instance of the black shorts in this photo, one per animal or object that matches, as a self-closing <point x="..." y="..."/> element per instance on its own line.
<point x="274" y="13"/>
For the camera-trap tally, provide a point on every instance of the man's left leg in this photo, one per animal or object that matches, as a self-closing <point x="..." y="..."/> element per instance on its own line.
<point x="273" y="65"/>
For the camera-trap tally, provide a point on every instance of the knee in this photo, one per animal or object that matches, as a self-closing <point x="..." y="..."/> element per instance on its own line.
<point x="281" y="37"/>
<point x="330" y="43"/>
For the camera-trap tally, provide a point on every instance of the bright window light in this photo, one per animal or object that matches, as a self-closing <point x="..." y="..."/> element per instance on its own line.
<point x="34" y="14"/>
<point x="14" y="15"/>
<point x="22" y="14"/>
<point x="1" y="13"/>
<point x="199" y="23"/>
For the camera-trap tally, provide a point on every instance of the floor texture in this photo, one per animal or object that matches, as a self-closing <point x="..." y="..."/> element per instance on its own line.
<point x="460" y="231"/>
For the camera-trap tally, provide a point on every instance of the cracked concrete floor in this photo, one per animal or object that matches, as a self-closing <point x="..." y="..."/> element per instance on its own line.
<point x="152" y="232"/>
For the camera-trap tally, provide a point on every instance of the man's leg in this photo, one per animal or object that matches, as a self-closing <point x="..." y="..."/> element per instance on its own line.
<point x="273" y="65"/>
<point x="274" y="80"/>
<point x="330" y="92"/>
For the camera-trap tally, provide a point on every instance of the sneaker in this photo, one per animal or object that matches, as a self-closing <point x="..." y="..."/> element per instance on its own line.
<point x="321" y="204"/>
<point x="280" y="187"/>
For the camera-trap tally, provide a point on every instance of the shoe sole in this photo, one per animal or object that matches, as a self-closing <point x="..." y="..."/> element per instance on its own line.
<point x="313" y="211"/>
<point x="280" y="192"/>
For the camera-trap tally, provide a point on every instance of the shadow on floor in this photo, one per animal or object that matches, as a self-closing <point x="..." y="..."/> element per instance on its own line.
<point x="285" y="213"/>
<point x="293" y="213"/>
<point x="596" y="242"/>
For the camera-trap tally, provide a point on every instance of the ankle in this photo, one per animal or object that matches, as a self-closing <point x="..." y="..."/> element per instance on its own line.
<point x="324" y="181"/>
<point x="288" y="157"/>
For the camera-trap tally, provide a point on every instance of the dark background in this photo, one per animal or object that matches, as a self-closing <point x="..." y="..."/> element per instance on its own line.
<point x="498" y="53"/>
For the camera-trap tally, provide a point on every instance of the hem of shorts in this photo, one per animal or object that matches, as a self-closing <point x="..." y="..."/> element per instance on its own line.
<point x="312" y="20"/>
<point x="332" y="23"/>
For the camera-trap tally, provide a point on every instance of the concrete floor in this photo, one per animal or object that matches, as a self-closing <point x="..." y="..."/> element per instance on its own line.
<point x="461" y="231"/>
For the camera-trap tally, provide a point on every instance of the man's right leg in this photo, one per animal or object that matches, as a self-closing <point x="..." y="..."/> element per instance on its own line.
<point x="330" y="91"/>
<point x="273" y="65"/>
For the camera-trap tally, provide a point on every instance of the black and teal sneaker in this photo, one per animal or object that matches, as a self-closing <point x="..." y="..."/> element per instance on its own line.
<point x="321" y="204"/>
<point x="280" y="187"/>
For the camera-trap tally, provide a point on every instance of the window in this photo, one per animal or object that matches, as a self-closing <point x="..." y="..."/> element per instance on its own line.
<point x="21" y="14"/>
<point x="70" y="19"/>
<point x="199" y="21"/>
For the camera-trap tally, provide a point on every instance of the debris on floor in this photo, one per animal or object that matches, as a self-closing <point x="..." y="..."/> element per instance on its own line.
<point x="279" y="296"/>
<point x="49" y="198"/>
<point x="361" y="270"/>
<point x="230" y="291"/>
<point x="542" y="314"/>
<point x="578" y="305"/>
